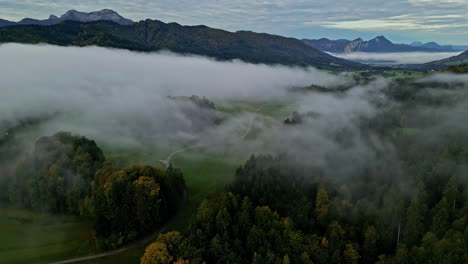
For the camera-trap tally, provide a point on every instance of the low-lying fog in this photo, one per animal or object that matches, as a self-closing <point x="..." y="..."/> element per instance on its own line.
<point x="395" y="57"/>
<point x="121" y="98"/>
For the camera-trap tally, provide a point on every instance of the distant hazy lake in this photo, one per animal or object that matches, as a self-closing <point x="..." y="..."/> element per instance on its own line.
<point x="396" y="57"/>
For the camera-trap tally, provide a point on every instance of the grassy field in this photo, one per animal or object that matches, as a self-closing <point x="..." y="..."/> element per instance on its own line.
<point x="36" y="238"/>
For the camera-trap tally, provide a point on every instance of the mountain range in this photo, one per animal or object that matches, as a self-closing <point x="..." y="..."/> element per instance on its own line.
<point x="378" y="44"/>
<point x="108" y="29"/>
<point x="73" y="15"/>
<point x="434" y="45"/>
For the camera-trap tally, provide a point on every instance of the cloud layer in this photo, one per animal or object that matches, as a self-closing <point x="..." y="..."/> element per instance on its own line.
<point x="120" y="99"/>
<point x="120" y="95"/>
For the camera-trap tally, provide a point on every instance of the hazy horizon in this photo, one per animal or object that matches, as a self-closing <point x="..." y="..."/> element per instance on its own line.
<point x="394" y="58"/>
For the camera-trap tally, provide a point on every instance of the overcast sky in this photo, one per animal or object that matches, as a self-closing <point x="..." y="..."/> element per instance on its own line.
<point x="444" y="21"/>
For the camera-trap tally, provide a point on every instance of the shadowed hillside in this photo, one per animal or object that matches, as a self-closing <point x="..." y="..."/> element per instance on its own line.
<point x="153" y="35"/>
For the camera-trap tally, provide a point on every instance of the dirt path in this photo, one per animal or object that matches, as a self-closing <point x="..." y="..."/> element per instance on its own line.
<point x="128" y="247"/>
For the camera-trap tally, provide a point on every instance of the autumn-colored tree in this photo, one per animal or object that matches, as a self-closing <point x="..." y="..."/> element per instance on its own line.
<point x="172" y="240"/>
<point x="147" y="201"/>
<point x="350" y="255"/>
<point x="156" y="253"/>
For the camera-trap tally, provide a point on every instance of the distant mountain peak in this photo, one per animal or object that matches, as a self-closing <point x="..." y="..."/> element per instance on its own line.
<point x="104" y="14"/>
<point x="71" y="11"/>
<point x="381" y="39"/>
<point x="74" y="15"/>
<point x="416" y="43"/>
<point x="105" y="10"/>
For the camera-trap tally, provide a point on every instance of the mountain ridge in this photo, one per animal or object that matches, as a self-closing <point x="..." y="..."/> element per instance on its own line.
<point x="461" y="59"/>
<point x="434" y="45"/>
<point x="377" y="44"/>
<point x="153" y="35"/>
<point x="73" y="15"/>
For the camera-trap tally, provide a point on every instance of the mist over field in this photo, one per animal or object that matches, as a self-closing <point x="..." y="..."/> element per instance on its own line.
<point x="112" y="94"/>
<point x="395" y="57"/>
<point x="122" y="98"/>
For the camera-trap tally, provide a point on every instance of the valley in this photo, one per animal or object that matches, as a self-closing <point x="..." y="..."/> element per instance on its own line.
<point x="129" y="140"/>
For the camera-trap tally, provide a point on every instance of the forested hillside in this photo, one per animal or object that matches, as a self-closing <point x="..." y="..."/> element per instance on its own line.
<point x="153" y="35"/>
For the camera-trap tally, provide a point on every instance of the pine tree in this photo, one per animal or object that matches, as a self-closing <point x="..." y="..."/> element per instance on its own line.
<point x="415" y="217"/>
<point x="322" y="204"/>
<point x="370" y="245"/>
<point x="441" y="217"/>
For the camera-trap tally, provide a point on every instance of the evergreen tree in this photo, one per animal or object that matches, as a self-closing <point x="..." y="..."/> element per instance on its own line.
<point x="322" y="204"/>
<point x="415" y="217"/>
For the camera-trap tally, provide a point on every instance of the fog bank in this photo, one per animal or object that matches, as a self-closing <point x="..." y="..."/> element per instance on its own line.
<point x="395" y="57"/>
<point x="107" y="93"/>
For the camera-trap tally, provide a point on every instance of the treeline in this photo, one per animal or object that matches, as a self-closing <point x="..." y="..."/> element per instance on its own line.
<point x="201" y="102"/>
<point x="458" y="68"/>
<point x="68" y="174"/>
<point x="408" y="205"/>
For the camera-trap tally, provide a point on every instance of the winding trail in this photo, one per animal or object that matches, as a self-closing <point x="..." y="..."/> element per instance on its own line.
<point x="167" y="163"/>
<point x="114" y="252"/>
<point x="128" y="247"/>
